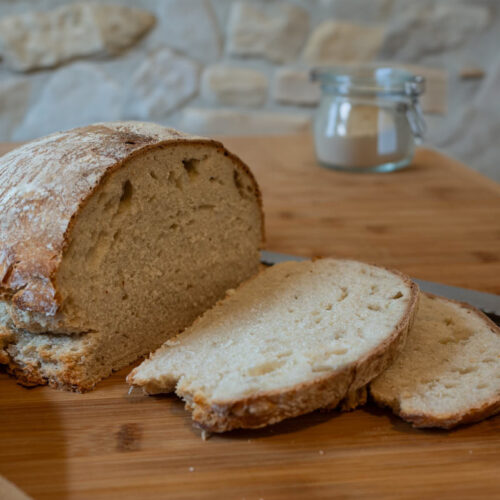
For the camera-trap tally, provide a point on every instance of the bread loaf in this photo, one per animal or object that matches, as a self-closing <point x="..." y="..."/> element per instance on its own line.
<point x="113" y="238"/>
<point x="298" y="337"/>
<point x="449" y="371"/>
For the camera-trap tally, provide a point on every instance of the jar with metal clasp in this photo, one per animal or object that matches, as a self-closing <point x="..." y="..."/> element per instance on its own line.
<point x="368" y="119"/>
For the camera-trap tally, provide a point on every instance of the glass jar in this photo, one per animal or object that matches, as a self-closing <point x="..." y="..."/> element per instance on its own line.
<point x="368" y="118"/>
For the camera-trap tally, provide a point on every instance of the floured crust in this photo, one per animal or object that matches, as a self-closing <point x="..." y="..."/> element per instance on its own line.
<point x="271" y="407"/>
<point x="39" y="204"/>
<point x="445" y="421"/>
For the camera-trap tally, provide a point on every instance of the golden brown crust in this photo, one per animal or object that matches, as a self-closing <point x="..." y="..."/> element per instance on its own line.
<point x="273" y="406"/>
<point x="352" y="400"/>
<point x="28" y="376"/>
<point x="70" y="377"/>
<point x="422" y="420"/>
<point x="448" y="421"/>
<point x="39" y="204"/>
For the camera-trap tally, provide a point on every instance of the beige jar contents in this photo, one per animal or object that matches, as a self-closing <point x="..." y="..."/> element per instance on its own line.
<point x="363" y="136"/>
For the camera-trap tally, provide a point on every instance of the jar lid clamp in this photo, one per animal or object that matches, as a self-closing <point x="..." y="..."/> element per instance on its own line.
<point x="414" y="88"/>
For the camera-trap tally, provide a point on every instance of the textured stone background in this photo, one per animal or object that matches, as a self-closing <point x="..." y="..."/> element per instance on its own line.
<point x="231" y="67"/>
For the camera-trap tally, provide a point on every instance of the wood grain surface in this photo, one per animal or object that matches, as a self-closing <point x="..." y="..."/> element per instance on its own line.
<point x="436" y="220"/>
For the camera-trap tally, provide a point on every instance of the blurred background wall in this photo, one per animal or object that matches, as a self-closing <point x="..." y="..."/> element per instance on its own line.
<point x="219" y="67"/>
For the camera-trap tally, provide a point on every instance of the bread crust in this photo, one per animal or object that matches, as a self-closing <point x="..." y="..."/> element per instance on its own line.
<point x="36" y="222"/>
<point x="450" y="420"/>
<point x="270" y="407"/>
<point x="71" y="375"/>
<point x="71" y="378"/>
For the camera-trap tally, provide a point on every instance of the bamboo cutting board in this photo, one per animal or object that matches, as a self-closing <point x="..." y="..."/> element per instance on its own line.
<point x="437" y="220"/>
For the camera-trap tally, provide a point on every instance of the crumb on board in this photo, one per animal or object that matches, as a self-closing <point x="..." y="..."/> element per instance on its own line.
<point x="205" y="435"/>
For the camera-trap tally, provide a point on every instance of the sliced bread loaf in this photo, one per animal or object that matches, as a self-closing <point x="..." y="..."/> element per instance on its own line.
<point x="449" y="371"/>
<point x="113" y="238"/>
<point x="297" y="337"/>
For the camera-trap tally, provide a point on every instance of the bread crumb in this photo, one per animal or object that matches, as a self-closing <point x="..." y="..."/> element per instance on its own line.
<point x="321" y="452"/>
<point x="191" y="469"/>
<point x="131" y="388"/>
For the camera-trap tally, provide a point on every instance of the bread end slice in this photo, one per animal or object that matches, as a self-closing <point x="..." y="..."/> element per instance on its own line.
<point x="449" y="371"/>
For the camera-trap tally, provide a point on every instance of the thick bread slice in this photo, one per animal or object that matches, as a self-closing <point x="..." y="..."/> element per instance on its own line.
<point x="449" y="371"/>
<point x="298" y="337"/>
<point x="113" y="238"/>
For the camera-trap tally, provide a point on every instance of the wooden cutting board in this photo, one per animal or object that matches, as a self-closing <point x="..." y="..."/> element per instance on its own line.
<point x="436" y="220"/>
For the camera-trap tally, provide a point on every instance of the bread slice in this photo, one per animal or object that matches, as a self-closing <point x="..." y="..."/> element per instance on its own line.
<point x="449" y="371"/>
<point x="298" y="337"/>
<point x="113" y="238"/>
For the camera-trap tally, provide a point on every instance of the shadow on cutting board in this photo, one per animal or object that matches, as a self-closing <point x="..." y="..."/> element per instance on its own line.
<point x="288" y="426"/>
<point x="397" y="423"/>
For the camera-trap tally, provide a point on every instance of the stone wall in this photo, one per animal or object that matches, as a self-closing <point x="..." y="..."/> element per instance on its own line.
<point x="240" y="67"/>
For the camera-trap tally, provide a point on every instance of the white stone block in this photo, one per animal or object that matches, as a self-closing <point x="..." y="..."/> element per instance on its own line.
<point x="425" y="29"/>
<point x="231" y="86"/>
<point x="473" y="135"/>
<point x="74" y="96"/>
<point x="46" y="39"/>
<point x="275" y="31"/>
<point x="190" y="27"/>
<point x="488" y="95"/>
<point x="163" y="82"/>
<point x="293" y="86"/>
<point x="14" y="97"/>
<point x="366" y="11"/>
<point x="334" y="42"/>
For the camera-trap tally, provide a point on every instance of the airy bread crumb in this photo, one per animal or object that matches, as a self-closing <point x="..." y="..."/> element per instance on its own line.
<point x="449" y="371"/>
